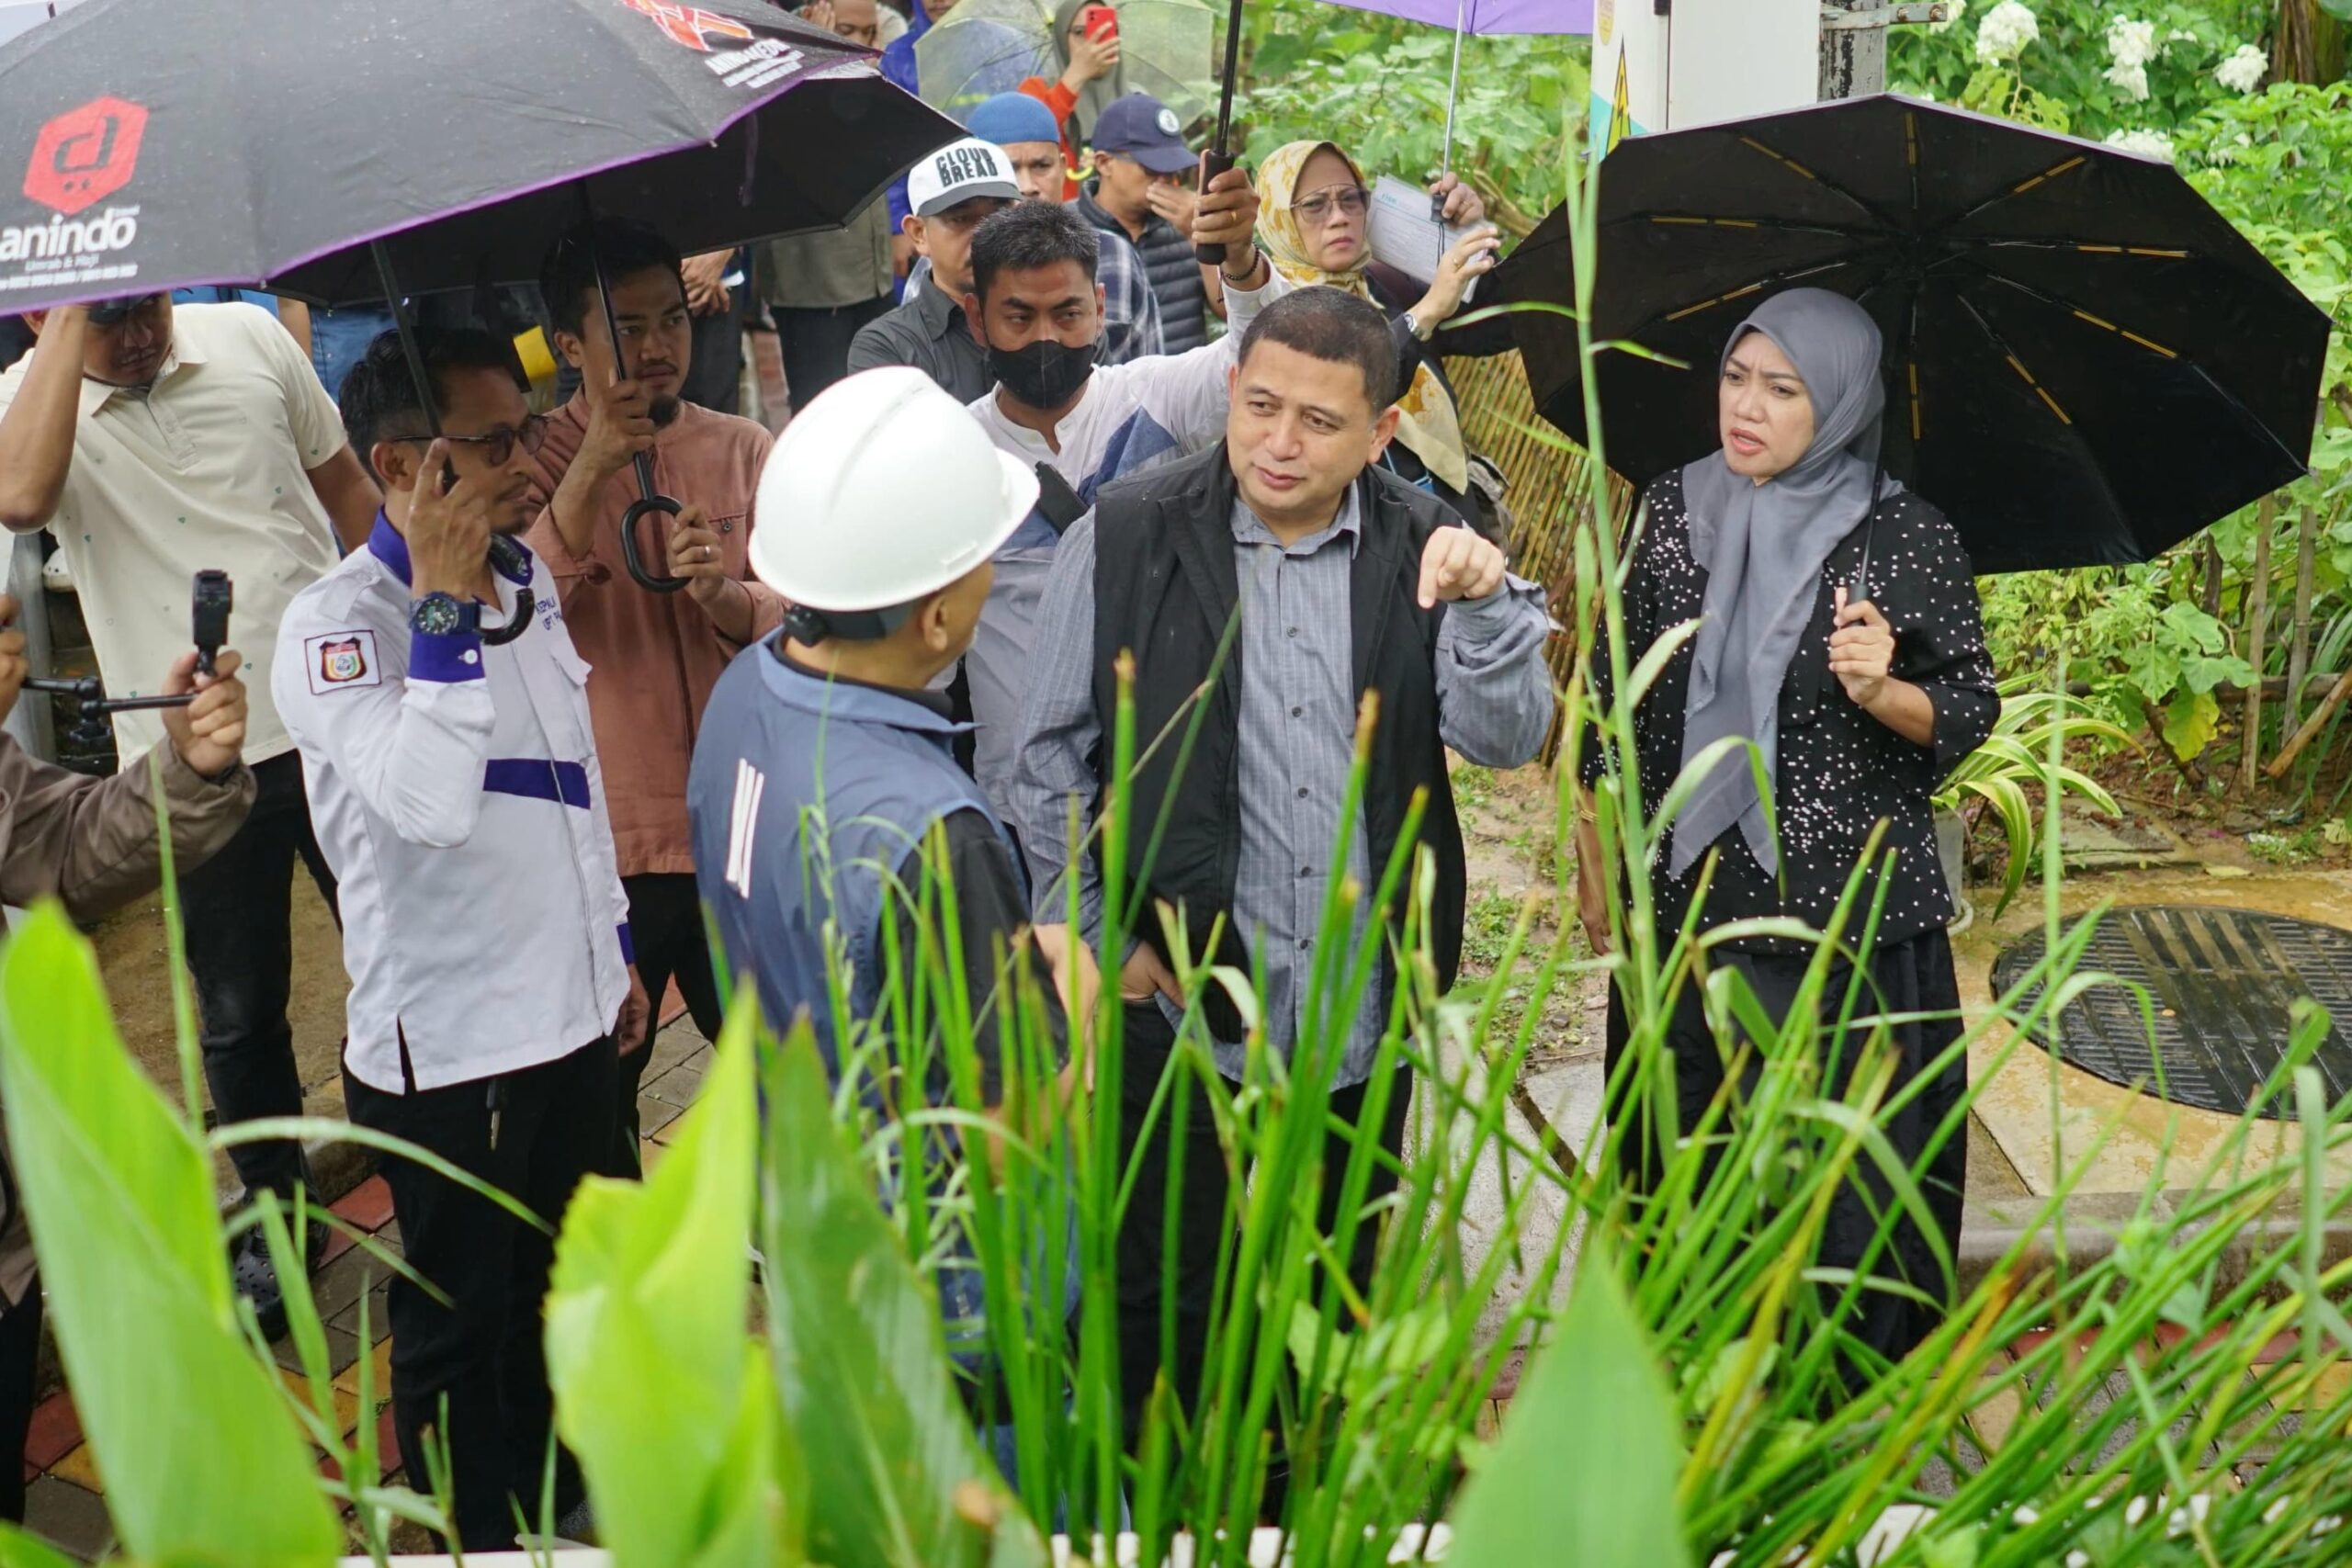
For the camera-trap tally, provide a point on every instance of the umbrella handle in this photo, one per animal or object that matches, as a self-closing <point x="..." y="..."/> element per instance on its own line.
<point x="1214" y="162"/>
<point x="635" y="561"/>
<point x="507" y="559"/>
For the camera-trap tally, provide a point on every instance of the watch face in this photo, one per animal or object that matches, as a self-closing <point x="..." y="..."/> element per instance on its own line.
<point x="436" y="614"/>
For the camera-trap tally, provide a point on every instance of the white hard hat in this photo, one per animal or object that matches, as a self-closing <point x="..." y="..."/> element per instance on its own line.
<point x="883" y="488"/>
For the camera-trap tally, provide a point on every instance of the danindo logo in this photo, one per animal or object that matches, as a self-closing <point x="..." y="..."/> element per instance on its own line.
<point x="690" y="25"/>
<point x="86" y="155"/>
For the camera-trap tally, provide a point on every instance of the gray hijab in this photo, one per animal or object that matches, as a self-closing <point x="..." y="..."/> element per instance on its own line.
<point x="1764" y="547"/>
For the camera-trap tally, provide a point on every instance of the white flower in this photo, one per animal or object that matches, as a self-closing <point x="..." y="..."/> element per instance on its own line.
<point x="2131" y="43"/>
<point x="2004" y="33"/>
<point x="2147" y="144"/>
<point x="1953" y="11"/>
<point x="2227" y="151"/>
<point x="2181" y="35"/>
<point x="2244" y="70"/>
<point x="2132" y="80"/>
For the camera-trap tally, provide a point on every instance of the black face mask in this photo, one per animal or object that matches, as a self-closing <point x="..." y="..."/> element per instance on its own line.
<point x="1045" y="374"/>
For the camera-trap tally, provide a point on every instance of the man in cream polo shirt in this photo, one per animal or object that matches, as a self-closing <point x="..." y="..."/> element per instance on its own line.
<point x="156" y="442"/>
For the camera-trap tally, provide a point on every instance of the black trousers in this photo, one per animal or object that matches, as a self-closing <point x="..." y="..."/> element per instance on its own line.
<point x="238" y="910"/>
<point x="19" y="1364"/>
<point x="1201" y="1209"/>
<point x="483" y="1352"/>
<point x="666" y="926"/>
<point x="1914" y="975"/>
<point x="815" y="344"/>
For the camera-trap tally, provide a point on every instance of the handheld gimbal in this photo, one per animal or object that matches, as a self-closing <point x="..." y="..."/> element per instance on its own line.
<point x="211" y="599"/>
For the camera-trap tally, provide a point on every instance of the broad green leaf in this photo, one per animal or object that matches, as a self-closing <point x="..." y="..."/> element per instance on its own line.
<point x="18" y="1550"/>
<point x="1586" y="1470"/>
<point x="203" y="1461"/>
<point x="891" y="1456"/>
<point x="649" y="1348"/>
<point x="2190" y="721"/>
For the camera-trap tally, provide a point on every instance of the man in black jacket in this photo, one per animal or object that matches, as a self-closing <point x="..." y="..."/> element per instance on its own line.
<point x="1348" y="584"/>
<point x="1141" y="194"/>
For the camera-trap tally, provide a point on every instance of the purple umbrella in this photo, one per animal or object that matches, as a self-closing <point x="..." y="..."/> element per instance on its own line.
<point x="1488" y="18"/>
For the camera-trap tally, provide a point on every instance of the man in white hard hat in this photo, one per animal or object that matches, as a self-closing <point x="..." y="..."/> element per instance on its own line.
<point x="887" y="503"/>
<point x="825" y="795"/>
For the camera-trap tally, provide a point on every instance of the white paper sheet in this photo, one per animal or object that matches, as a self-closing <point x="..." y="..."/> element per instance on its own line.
<point x="1400" y="232"/>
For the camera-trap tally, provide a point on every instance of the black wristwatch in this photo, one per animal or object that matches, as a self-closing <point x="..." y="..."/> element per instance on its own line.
<point x="439" y="615"/>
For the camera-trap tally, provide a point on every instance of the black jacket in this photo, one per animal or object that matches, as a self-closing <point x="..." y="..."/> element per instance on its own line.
<point x="1169" y="265"/>
<point x="1166" y="587"/>
<point x="927" y="332"/>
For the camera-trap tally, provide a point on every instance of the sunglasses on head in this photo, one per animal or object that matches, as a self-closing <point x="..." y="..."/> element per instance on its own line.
<point x="113" y="312"/>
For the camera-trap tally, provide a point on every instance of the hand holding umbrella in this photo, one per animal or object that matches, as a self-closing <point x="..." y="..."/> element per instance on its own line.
<point x="1225" y="224"/>
<point x="1861" y="650"/>
<point x="620" y="419"/>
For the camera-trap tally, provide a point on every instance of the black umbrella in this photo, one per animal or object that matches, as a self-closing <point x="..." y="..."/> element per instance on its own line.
<point x="1219" y="157"/>
<point x="310" y="146"/>
<point x="2086" y="363"/>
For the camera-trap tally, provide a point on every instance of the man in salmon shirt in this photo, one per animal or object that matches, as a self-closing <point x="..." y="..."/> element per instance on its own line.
<point x="655" y="657"/>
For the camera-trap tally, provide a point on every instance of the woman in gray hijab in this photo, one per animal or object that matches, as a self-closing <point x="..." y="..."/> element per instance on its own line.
<point x="1837" y="629"/>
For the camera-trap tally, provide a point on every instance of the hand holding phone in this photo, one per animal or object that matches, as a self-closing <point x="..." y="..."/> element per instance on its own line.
<point x="1093" y="47"/>
<point x="448" y="530"/>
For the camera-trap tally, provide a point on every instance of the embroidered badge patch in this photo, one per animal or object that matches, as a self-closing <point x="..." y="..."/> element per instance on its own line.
<point x="341" y="659"/>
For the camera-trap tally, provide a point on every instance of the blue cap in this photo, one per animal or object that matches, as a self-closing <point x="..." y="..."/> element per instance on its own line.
<point x="1014" y="116"/>
<point x="1140" y="127"/>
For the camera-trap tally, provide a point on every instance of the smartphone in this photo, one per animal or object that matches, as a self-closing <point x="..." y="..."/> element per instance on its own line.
<point x="1100" y="23"/>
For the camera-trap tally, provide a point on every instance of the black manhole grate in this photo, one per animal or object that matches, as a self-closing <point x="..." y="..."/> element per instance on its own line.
<point x="2221" y="982"/>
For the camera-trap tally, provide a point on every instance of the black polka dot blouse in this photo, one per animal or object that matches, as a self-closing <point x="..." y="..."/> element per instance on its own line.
<point x="1839" y="770"/>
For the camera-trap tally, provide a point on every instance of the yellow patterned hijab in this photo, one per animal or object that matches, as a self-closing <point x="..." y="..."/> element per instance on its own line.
<point x="1429" y="428"/>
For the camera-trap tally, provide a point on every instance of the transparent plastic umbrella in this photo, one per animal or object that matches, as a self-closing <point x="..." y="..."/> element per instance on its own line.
<point x="986" y="47"/>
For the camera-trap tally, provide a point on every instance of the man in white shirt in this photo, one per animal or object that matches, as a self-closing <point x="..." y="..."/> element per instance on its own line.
<point x="453" y="776"/>
<point x="1037" y="309"/>
<point x="156" y="442"/>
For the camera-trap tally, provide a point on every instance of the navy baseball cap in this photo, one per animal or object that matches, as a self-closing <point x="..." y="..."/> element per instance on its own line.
<point x="1140" y="127"/>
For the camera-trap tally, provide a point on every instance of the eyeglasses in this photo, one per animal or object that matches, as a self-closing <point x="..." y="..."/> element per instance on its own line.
<point x="113" y="312"/>
<point x="1317" y="209"/>
<point x="499" y="444"/>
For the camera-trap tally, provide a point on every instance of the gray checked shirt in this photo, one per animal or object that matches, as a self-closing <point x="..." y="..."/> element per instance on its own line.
<point x="1296" y="741"/>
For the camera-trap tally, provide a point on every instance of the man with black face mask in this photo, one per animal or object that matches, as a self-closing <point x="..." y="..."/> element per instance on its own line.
<point x="1037" y="310"/>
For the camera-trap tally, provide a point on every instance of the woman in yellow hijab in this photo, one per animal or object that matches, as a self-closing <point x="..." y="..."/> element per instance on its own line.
<point x="1312" y="218"/>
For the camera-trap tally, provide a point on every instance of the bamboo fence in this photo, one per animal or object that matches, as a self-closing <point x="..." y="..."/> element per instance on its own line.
<point x="1548" y="493"/>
